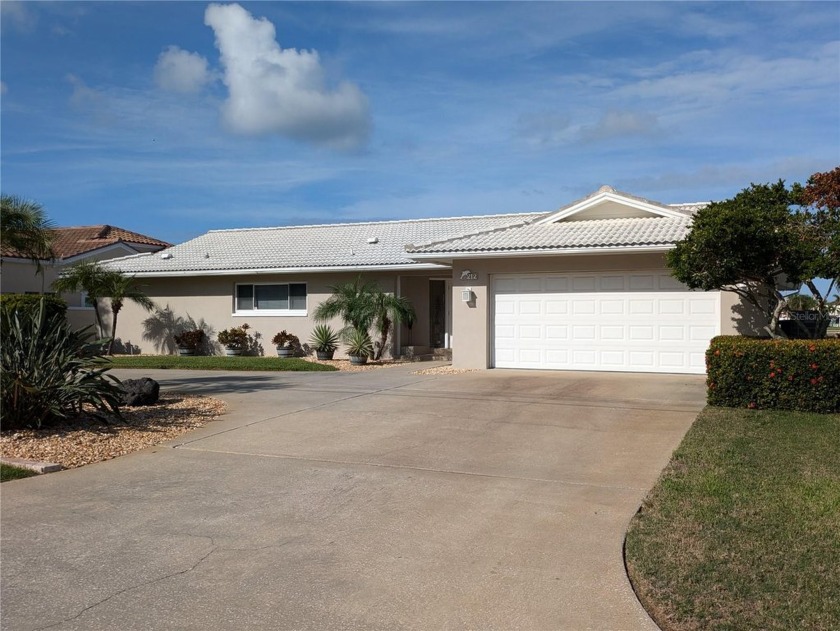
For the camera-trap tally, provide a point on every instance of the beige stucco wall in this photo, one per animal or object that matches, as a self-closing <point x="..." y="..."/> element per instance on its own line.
<point x="472" y="322"/>
<point x="19" y="276"/>
<point x="212" y="298"/>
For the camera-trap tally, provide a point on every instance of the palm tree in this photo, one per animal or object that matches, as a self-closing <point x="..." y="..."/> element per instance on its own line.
<point x="120" y="288"/>
<point x="99" y="282"/>
<point x="24" y="227"/>
<point x="362" y="305"/>
<point x="352" y="303"/>
<point x="388" y="310"/>
<point x="86" y="276"/>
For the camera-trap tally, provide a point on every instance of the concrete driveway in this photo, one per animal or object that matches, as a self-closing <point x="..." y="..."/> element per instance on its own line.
<point x="492" y="500"/>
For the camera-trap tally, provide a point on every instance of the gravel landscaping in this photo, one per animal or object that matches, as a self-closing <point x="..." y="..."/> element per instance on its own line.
<point x="87" y="440"/>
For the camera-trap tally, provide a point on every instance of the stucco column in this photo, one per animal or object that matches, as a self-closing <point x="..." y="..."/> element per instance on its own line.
<point x="470" y="320"/>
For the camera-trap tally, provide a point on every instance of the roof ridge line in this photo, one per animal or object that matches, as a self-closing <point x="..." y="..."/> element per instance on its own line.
<point x="410" y="246"/>
<point x="380" y="223"/>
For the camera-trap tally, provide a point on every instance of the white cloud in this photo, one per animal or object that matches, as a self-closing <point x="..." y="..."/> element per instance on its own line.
<point x="282" y="91"/>
<point x="14" y="13"/>
<point x="181" y="71"/>
<point x="3" y="87"/>
<point x="615" y="124"/>
<point x="544" y="128"/>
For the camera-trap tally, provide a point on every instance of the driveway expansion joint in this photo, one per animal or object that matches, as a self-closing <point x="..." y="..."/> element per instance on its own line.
<point x="615" y="487"/>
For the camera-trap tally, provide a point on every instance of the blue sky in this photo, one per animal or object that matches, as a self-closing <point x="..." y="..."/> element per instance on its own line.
<point x="175" y="118"/>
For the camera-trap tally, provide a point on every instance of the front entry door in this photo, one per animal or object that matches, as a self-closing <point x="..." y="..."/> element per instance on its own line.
<point x="440" y="313"/>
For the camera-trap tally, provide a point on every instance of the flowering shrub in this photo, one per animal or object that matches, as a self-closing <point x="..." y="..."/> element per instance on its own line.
<point x="774" y="374"/>
<point x="236" y="337"/>
<point x="190" y="339"/>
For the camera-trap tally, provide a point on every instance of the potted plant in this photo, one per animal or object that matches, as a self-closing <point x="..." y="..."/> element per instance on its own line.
<point x="359" y="347"/>
<point x="189" y="341"/>
<point x="286" y="343"/>
<point x="235" y="339"/>
<point x="324" y="340"/>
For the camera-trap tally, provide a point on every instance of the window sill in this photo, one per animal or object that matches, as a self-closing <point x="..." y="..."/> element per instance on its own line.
<point x="274" y="313"/>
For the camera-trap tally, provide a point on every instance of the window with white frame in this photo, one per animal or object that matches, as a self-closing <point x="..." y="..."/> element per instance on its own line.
<point x="86" y="301"/>
<point x="270" y="299"/>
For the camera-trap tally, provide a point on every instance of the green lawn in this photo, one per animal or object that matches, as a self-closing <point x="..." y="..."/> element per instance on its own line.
<point x="742" y="531"/>
<point x="9" y="472"/>
<point x="218" y="363"/>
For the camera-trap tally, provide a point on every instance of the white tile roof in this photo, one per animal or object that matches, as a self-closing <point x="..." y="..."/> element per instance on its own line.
<point x="594" y="233"/>
<point x="317" y="246"/>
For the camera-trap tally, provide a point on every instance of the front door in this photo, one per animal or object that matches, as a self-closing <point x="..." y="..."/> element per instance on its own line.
<point x="440" y="313"/>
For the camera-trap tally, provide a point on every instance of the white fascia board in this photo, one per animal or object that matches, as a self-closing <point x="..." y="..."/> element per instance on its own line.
<point x="103" y="250"/>
<point x="551" y="252"/>
<point x="654" y="209"/>
<point x="290" y="270"/>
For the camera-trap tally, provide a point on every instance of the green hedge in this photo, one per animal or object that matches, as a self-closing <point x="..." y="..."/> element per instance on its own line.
<point x="774" y="374"/>
<point x="28" y="304"/>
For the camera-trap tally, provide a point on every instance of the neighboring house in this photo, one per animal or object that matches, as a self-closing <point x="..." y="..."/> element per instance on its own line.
<point x="581" y="288"/>
<point x="72" y="245"/>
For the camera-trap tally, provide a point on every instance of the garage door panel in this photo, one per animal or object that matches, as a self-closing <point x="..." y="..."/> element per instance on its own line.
<point x="583" y="306"/>
<point x="628" y="322"/>
<point x="556" y="284"/>
<point x="560" y="307"/>
<point x="584" y="283"/>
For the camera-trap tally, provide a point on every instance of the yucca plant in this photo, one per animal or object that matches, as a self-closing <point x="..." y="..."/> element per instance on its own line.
<point x="324" y="340"/>
<point x="50" y="372"/>
<point x="359" y="346"/>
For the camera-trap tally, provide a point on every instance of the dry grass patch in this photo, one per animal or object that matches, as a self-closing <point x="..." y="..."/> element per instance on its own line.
<point x="87" y="439"/>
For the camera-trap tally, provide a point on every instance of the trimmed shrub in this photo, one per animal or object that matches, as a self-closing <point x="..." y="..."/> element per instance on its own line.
<point x="49" y="372"/>
<point x="30" y="304"/>
<point x="774" y="373"/>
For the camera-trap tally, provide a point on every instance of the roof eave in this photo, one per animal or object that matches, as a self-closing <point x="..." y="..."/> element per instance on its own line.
<point x="440" y="256"/>
<point x="288" y="270"/>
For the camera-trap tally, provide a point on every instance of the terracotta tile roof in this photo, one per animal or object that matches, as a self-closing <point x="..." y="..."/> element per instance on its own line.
<point x="70" y="242"/>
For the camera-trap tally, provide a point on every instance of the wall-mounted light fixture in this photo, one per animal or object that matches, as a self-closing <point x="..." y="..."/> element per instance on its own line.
<point x="467" y="295"/>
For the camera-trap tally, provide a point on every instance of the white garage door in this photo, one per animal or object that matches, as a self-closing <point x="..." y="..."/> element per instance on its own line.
<point x="640" y="322"/>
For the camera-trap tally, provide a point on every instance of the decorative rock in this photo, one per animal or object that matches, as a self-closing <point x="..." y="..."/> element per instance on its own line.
<point x="143" y="391"/>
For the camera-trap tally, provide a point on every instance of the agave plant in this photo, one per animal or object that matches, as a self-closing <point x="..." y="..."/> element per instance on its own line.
<point x="323" y="338"/>
<point x="359" y="346"/>
<point x="50" y="372"/>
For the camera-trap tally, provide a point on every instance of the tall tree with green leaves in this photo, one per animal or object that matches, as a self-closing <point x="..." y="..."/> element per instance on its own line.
<point x="100" y="283"/>
<point x="24" y="227"/>
<point x="752" y="242"/>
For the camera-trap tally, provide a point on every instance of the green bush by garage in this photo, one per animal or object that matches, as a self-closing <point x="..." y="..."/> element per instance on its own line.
<point x="778" y="374"/>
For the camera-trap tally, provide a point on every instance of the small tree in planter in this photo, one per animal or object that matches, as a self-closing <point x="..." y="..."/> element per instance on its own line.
<point x="235" y="339"/>
<point x="189" y="341"/>
<point x="359" y="347"/>
<point x="324" y="340"/>
<point x="287" y="343"/>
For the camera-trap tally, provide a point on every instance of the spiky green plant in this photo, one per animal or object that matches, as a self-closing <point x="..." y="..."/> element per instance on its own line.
<point x="323" y="338"/>
<point x="50" y="371"/>
<point x="359" y="344"/>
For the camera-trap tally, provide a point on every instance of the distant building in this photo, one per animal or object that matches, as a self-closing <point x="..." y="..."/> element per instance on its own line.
<point x="18" y="274"/>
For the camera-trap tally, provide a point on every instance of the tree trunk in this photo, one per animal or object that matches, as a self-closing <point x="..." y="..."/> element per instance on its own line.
<point x="100" y="326"/>
<point x="773" y="327"/>
<point x="115" y="308"/>
<point x="383" y="337"/>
